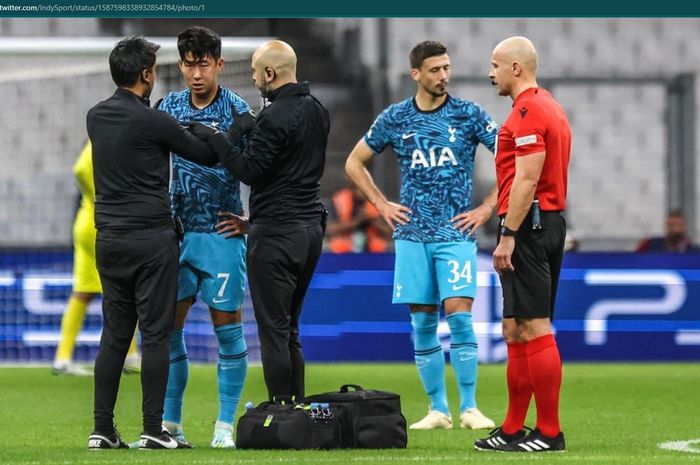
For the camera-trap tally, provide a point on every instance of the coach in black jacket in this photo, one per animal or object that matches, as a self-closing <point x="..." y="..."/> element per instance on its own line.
<point x="283" y="163"/>
<point x="136" y="248"/>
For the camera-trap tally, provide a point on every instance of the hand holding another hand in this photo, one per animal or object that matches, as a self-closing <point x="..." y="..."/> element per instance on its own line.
<point x="243" y="124"/>
<point x="201" y="131"/>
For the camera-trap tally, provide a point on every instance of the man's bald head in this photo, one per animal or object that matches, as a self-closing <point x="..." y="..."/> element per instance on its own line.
<point x="513" y="66"/>
<point x="519" y="50"/>
<point x="274" y="64"/>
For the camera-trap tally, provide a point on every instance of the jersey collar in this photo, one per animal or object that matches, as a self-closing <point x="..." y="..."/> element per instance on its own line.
<point x="442" y="105"/>
<point x="192" y="105"/>
<point x="526" y="92"/>
<point x="126" y="92"/>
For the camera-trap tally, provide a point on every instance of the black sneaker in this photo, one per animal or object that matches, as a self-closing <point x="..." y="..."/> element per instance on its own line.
<point x="535" y="442"/>
<point x="498" y="438"/>
<point x="163" y="441"/>
<point x="101" y="441"/>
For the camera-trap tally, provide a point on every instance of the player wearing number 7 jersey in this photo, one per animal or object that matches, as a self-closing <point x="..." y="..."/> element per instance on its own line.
<point x="212" y="262"/>
<point x="435" y="137"/>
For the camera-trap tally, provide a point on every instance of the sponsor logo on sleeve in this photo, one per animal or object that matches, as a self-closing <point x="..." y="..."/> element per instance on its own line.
<point x="525" y="140"/>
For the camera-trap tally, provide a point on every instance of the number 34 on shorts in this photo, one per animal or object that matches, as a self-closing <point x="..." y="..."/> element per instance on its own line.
<point x="428" y="273"/>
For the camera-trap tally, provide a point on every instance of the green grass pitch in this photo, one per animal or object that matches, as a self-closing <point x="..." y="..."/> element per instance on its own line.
<point x="611" y="414"/>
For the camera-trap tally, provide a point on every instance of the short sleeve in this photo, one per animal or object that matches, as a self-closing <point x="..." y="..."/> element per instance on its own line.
<point x="379" y="134"/>
<point x="486" y="128"/>
<point x="530" y="129"/>
<point x="238" y="104"/>
<point x="165" y="104"/>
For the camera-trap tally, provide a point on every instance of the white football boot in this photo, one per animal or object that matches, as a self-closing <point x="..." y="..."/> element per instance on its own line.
<point x="433" y="420"/>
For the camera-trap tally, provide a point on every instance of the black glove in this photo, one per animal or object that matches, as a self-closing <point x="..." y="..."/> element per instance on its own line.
<point x="242" y="125"/>
<point x="201" y="131"/>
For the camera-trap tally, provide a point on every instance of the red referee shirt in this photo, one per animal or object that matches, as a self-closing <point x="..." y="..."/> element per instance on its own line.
<point x="537" y="123"/>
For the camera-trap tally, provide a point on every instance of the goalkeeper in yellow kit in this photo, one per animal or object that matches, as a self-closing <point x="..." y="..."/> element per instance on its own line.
<point x="86" y="281"/>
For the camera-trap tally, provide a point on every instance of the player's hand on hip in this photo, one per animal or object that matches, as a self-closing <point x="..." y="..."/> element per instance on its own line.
<point x="472" y="220"/>
<point x="503" y="254"/>
<point x="232" y="225"/>
<point x="394" y="213"/>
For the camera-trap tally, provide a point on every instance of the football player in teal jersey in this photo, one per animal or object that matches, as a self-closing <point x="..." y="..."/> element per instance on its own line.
<point x="434" y="136"/>
<point x="213" y="250"/>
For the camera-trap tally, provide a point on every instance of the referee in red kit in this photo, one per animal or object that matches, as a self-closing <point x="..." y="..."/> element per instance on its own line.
<point x="532" y="159"/>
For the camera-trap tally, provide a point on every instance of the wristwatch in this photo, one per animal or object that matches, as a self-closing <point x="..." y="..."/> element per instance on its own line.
<point x="506" y="231"/>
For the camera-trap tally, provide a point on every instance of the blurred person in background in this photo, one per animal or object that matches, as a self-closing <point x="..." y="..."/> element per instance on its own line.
<point x="86" y="280"/>
<point x="674" y="240"/>
<point x="435" y="137"/>
<point x="355" y="225"/>
<point x="212" y="263"/>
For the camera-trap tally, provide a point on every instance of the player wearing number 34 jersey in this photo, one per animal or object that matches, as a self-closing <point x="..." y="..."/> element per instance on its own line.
<point x="435" y="137"/>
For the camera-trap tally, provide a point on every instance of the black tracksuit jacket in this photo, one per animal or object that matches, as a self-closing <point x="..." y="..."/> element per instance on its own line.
<point x="131" y="145"/>
<point x="284" y="158"/>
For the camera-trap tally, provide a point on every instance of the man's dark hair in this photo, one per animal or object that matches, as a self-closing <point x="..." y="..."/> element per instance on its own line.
<point x="129" y="58"/>
<point x="427" y="49"/>
<point x="200" y="41"/>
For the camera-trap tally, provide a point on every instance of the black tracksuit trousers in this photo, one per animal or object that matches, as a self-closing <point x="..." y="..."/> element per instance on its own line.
<point x="281" y="262"/>
<point x="138" y="270"/>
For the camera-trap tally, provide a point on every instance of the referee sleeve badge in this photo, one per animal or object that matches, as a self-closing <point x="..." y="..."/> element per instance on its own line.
<point x="525" y="140"/>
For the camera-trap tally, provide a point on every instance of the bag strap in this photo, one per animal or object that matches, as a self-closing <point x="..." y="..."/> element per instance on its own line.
<point x="355" y="387"/>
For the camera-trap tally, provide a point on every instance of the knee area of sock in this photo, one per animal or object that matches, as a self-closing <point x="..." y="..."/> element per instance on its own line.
<point x="425" y="323"/>
<point x="177" y="338"/>
<point x="460" y="322"/>
<point x="461" y="329"/>
<point x="229" y="334"/>
<point x="425" y="337"/>
<point x="231" y="340"/>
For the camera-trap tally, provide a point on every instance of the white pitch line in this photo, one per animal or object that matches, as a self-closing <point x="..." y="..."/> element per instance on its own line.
<point x="682" y="446"/>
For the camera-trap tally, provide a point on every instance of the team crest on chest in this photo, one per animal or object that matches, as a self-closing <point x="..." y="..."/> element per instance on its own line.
<point x="452" y="132"/>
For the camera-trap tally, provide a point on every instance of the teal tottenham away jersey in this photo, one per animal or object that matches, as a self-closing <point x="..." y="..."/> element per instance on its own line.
<point x="436" y="152"/>
<point x="198" y="193"/>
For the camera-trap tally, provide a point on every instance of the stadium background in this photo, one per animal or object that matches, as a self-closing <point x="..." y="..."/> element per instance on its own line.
<point x="629" y="87"/>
